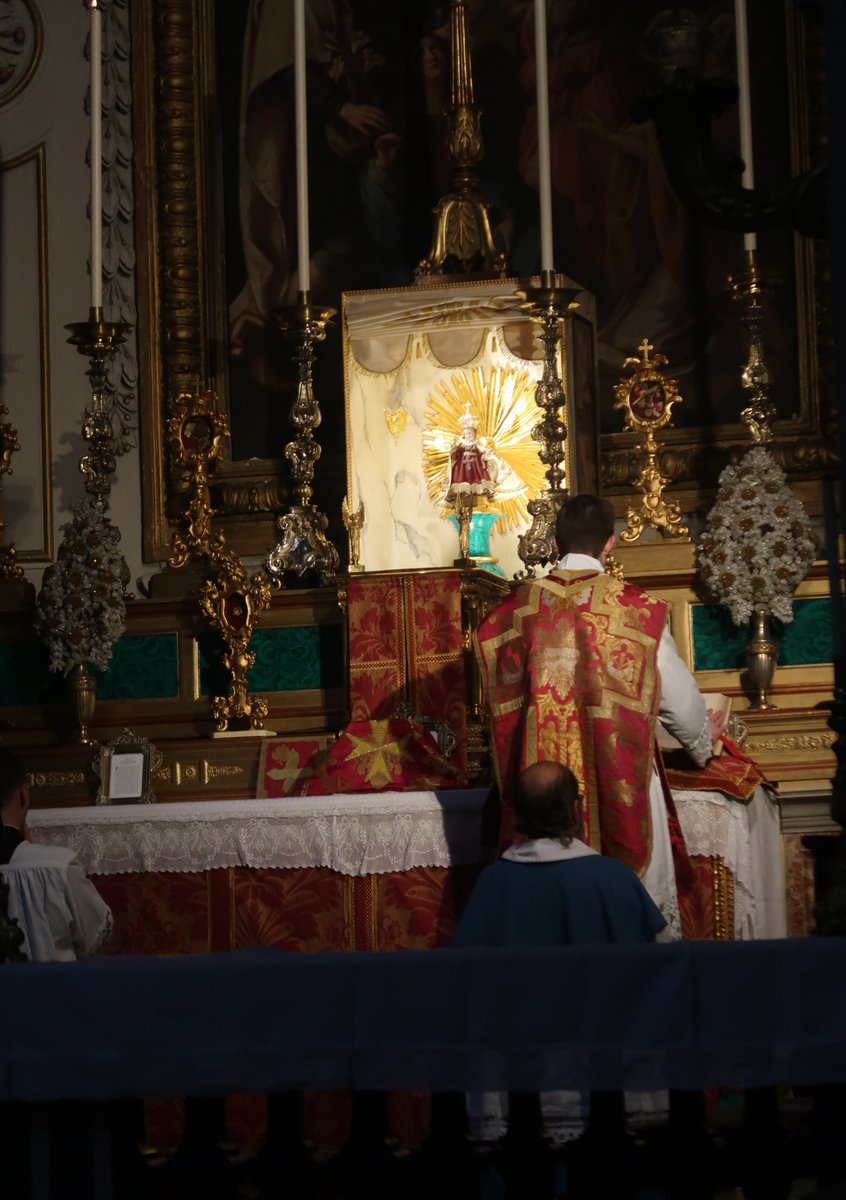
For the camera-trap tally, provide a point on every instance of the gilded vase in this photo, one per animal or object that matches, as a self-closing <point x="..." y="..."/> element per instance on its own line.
<point x="761" y="653"/>
<point x="82" y="696"/>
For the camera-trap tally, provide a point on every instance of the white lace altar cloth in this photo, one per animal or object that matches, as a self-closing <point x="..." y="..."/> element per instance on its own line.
<point x="352" y="834"/>
<point x="747" y="838"/>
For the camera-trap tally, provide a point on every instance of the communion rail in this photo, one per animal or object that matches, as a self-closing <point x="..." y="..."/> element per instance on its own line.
<point x="83" y="1041"/>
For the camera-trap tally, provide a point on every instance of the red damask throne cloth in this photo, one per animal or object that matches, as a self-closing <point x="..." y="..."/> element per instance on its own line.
<point x="406" y="650"/>
<point x="569" y="665"/>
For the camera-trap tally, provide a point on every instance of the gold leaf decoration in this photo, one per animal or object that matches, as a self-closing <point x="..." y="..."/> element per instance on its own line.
<point x="396" y="419"/>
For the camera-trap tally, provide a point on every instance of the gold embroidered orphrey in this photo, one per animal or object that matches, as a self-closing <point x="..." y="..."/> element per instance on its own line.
<point x="647" y="397"/>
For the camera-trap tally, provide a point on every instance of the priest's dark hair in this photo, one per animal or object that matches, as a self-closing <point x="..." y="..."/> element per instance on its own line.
<point x="584" y="524"/>
<point x="546" y="802"/>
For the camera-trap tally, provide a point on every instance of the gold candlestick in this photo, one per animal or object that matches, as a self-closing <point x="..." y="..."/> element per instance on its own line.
<point x="462" y="241"/>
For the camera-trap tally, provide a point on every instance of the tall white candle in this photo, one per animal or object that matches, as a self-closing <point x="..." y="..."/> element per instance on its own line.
<point x="544" y="170"/>
<point x="301" y="143"/>
<point x="745" y="105"/>
<point x="96" y="97"/>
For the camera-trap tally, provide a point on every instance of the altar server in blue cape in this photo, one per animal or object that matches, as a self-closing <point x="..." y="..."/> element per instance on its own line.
<point x="552" y="889"/>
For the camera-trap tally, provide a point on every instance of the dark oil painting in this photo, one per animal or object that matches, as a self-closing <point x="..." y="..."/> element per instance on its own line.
<point x="377" y="87"/>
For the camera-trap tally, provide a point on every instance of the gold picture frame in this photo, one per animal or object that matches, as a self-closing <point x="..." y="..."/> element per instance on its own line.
<point x="125" y="767"/>
<point x="181" y="170"/>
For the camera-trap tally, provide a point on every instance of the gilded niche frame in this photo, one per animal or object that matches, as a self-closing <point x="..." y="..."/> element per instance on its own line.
<point x="417" y="362"/>
<point x="182" y="312"/>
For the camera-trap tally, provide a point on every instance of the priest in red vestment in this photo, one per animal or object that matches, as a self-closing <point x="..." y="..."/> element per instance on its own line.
<point x="578" y="668"/>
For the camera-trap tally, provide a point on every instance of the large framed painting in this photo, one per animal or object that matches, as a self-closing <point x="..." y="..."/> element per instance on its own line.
<point x="216" y="214"/>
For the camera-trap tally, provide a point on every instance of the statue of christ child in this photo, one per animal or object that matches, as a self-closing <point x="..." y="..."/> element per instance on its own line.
<point x="472" y="465"/>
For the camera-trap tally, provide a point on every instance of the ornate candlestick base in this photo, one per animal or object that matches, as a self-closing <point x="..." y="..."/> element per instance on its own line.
<point x="303" y="546"/>
<point x="535" y="545"/>
<point x="547" y="304"/>
<point x="98" y="340"/>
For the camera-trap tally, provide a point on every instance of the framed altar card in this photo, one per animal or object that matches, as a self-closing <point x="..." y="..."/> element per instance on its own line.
<point x="125" y="767"/>
<point x="439" y="384"/>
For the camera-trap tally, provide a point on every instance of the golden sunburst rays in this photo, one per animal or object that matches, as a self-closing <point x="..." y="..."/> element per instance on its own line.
<point x="502" y="403"/>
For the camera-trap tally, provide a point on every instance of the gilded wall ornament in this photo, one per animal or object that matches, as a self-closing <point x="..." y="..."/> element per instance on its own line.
<point x="21" y="40"/>
<point x="353" y="523"/>
<point x="232" y="604"/>
<point x="647" y="398"/>
<point x="195" y="432"/>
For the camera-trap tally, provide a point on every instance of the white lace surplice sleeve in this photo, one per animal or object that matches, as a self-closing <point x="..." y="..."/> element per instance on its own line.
<point x="91" y="916"/>
<point x="682" y="709"/>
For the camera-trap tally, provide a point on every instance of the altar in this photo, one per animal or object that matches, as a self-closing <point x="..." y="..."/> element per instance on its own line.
<point x="351" y="872"/>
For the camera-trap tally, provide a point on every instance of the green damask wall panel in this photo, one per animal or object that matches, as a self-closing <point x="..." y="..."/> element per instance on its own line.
<point x="808" y="639"/>
<point x="289" y="659"/>
<point x="25" y="675"/>
<point x="719" y="646"/>
<point x="142" y="667"/>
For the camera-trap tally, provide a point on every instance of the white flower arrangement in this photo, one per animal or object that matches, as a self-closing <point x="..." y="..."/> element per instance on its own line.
<point x="758" y="544"/>
<point x="81" y="611"/>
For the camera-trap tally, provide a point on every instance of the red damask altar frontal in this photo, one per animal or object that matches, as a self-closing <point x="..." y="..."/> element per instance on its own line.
<point x="346" y="872"/>
<point x="353" y="872"/>
<point x="304" y="910"/>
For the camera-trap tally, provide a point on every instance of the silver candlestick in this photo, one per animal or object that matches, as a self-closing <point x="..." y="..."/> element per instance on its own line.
<point x="303" y="546"/>
<point x="548" y="304"/>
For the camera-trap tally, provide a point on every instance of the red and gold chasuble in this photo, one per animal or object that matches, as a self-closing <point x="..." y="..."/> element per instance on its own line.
<point x="569" y="666"/>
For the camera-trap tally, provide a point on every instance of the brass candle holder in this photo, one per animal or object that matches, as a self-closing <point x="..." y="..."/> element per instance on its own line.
<point x="98" y="340"/>
<point x="462" y="241"/>
<point x="548" y="304"/>
<point x="303" y="546"/>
